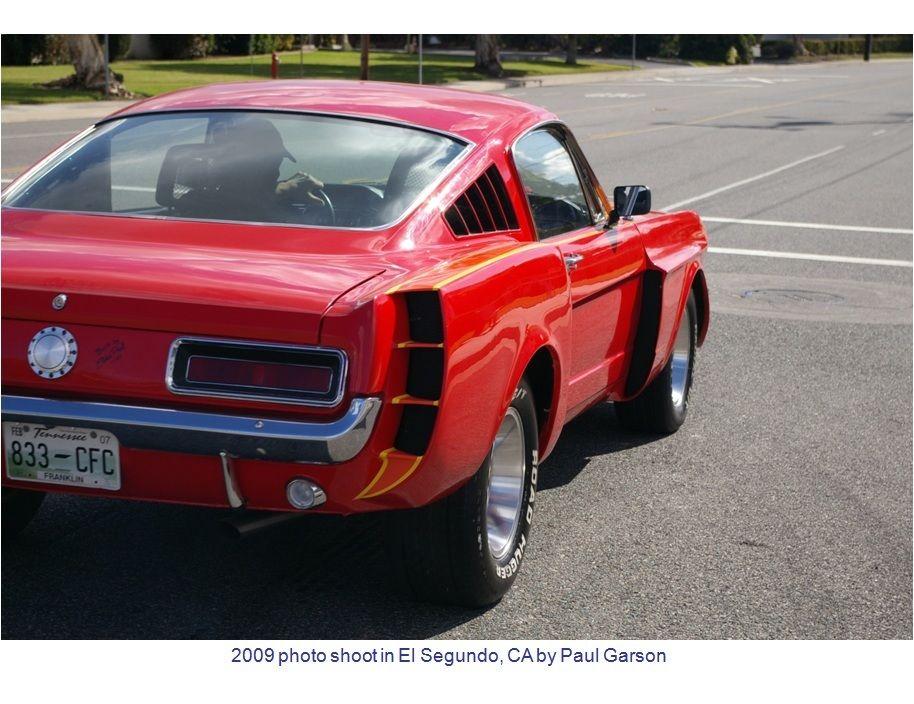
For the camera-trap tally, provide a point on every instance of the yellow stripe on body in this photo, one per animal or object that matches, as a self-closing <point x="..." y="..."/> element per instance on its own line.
<point x="367" y="492"/>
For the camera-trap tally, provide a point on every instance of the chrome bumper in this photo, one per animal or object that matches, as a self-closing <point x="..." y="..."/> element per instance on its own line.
<point x="243" y="437"/>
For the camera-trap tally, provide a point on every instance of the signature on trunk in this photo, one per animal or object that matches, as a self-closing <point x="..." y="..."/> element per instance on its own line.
<point x="109" y="352"/>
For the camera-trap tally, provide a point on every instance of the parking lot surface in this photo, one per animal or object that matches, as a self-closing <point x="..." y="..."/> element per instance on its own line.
<point x="781" y="509"/>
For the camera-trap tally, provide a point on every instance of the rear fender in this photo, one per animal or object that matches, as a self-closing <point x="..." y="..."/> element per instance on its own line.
<point x="674" y="245"/>
<point x="557" y="410"/>
<point x="495" y="320"/>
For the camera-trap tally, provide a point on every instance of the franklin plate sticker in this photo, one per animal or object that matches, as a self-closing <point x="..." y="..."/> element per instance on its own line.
<point x="60" y="455"/>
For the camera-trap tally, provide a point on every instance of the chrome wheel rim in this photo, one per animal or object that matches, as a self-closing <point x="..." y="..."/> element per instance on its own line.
<point x="507" y="467"/>
<point x="682" y="351"/>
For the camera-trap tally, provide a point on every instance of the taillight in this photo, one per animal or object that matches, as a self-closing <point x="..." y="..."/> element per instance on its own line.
<point x="262" y="375"/>
<point x="264" y="372"/>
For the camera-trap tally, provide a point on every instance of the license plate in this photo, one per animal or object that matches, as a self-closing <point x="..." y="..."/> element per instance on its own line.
<point x="62" y="455"/>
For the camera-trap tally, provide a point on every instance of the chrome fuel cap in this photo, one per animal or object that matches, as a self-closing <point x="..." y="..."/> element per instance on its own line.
<point x="52" y="352"/>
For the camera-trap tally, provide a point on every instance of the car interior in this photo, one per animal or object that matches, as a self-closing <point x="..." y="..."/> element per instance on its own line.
<point x="232" y="173"/>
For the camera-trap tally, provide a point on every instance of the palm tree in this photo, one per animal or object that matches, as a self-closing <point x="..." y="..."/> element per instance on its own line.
<point x="89" y="65"/>
<point x="363" y="73"/>
<point x="487" y="55"/>
<point x="571" y="49"/>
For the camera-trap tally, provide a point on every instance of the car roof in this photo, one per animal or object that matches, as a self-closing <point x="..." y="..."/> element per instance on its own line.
<point x="473" y="116"/>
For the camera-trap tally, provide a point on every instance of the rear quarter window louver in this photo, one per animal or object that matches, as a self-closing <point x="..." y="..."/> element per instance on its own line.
<point x="483" y="208"/>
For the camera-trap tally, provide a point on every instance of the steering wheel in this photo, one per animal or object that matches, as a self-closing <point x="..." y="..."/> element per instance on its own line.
<point x="328" y="204"/>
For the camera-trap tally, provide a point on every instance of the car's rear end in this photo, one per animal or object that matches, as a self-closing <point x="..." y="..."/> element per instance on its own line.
<point x="172" y="333"/>
<point x="277" y="309"/>
<point x="173" y="363"/>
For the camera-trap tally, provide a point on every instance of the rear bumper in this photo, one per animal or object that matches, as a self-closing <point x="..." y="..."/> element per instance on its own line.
<point x="243" y="437"/>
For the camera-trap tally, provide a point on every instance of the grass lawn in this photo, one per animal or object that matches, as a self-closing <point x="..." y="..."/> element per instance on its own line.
<point x="147" y="78"/>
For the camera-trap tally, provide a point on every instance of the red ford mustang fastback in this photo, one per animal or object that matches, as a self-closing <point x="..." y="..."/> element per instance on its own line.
<point x="335" y="297"/>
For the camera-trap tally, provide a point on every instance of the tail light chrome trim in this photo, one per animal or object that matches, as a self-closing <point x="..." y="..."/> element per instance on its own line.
<point x="178" y="362"/>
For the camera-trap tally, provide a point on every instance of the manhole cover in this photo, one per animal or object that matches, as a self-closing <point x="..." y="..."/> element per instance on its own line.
<point x="806" y="298"/>
<point x="791" y="295"/>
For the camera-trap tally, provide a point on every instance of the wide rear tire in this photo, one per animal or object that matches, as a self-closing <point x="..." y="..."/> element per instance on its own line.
<point x="467" y="548"/>
<point x="662" y="407"/>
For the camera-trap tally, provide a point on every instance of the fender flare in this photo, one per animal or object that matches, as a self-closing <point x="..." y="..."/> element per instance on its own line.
<point x="537" y="342"/>
<point x="651" y="350"/>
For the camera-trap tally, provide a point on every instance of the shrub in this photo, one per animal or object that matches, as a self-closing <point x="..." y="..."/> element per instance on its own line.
<point x="182" y="46"/>
<point x="261" y="43"/>
<point x="232" y="44"/>
<point x="118" y="46"/>
<point x="857" y="45"/>
<point x="716" y="47"/>
<point x="55" y="50"/>
<point x="283" y="42"/>
<point x="21" y="49"/>
<point x="266" y="43"/>
<point x="668" y="47"/>
<point x="778" y="49"/>
<point x="824" y="47"/>
<point x="893" y="42"/>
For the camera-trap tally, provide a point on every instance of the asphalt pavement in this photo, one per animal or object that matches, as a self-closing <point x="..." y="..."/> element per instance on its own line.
<point x="781" y="509"/>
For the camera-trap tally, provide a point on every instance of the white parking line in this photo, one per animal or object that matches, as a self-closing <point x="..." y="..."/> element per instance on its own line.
<point x="812" y="225"/>
<point x="670" y="84"/>
<point x="751" y="179"/>
<point x="810" y="257"/>
<point x="615" y="95"/>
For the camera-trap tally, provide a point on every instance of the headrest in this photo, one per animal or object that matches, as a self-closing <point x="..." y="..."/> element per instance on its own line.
<point x="186" y="167"/>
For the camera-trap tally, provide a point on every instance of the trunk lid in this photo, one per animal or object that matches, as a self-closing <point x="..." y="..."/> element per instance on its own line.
<point x="134" y="285"/>
<point x="167" y="276"/>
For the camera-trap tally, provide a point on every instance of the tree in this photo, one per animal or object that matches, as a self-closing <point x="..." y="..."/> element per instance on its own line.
<point x="344" y="42"/>
<point x="487" y="56"/>
<point x="571" y="49"/>
<point x="363" y="73"/>
<point x="89" y="64"/>
<point x="799" y="48"/>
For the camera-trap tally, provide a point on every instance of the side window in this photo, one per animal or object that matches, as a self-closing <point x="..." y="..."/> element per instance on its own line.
<point x="551" y="184"/>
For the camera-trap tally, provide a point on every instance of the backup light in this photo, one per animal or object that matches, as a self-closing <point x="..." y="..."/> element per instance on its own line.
<point x="303" y="494"/>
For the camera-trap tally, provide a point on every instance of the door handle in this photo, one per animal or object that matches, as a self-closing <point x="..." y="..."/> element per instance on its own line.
<point x="572" y="261"/>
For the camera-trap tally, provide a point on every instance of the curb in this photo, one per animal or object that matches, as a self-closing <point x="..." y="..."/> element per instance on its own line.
<point x="585" y="78"/>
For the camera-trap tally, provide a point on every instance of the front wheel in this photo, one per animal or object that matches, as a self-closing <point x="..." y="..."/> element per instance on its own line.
<point x="467" y="548"/>
<point x="662" y="406"/>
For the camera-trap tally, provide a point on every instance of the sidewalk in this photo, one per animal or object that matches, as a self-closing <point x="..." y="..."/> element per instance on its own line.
<point x="52" y="112"/>
<point x="655" y="70"/>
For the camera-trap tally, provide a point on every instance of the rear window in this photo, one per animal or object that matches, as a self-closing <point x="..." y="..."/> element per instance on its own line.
<point x="266" y="167"/>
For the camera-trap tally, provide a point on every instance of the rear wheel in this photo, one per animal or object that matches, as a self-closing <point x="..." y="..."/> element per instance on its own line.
<point x="662" y="406"/>
<point x="467" y="548"/>
<point x="18" y="506"/>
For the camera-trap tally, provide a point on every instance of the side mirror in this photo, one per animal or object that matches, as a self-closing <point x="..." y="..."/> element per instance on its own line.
<point x="631" y="200"/>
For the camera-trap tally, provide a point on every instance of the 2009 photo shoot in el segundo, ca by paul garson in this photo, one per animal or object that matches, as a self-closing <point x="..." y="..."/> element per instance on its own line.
<point x="516" y="362"/>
